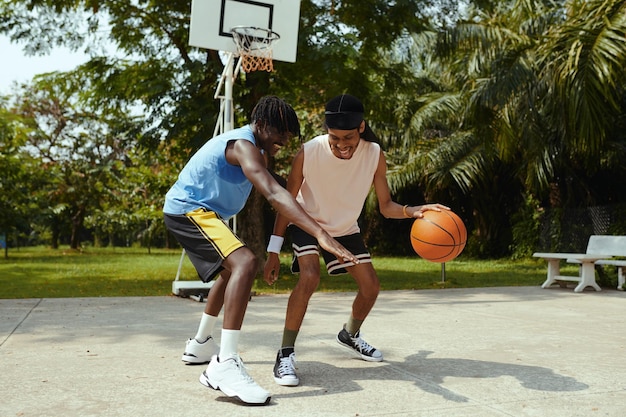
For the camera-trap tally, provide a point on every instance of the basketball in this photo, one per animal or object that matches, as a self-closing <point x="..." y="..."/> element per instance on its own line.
<point x="439" y="236"/>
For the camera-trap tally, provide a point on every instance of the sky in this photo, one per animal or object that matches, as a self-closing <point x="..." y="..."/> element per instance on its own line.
<point x="18" y="67"/>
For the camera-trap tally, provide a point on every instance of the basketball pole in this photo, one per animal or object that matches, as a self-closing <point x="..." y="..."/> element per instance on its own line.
<point x="226" y="119"/>
<point x="225" y="122"/>
<point x="443" y="272"/>
<point x="228" y="75"/>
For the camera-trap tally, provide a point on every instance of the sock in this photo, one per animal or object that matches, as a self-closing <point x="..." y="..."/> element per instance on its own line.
<point x="286" y="351"/>
<point x="207" y="323"/>
<point x="289" y="338"/>
<point x="353" y="325"/>
<point x="229" y="343"/>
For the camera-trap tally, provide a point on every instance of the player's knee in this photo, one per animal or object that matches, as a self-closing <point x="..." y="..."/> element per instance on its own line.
<point x="308" y="282"/>
<point x="244" y="262"/>
<point x="370" y="288"/>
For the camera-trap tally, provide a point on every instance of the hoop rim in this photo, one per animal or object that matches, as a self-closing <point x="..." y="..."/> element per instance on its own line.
<point x="271" y="36"/>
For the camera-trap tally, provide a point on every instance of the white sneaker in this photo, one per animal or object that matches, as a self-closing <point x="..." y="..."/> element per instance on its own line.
<point x="197" y="353"/>
<point x="230" y="377"/>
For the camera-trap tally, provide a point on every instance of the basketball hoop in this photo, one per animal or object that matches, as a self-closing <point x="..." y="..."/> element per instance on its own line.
<point x="254" y="46"/>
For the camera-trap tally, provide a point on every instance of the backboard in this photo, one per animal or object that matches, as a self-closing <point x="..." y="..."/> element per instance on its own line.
<point x="211" y="21"/>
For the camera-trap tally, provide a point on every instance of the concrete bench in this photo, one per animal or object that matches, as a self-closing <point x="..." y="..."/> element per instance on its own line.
<point x="600" y="251"/>
<point x="619" y="263"/>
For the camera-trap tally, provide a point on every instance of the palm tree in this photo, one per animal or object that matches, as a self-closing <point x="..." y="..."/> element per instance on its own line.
<point x="503" y="134"/>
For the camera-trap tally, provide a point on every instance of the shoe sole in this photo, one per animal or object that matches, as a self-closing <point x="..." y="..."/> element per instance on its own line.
<point x="287" y="383"/>
<point x="357" y="354"/>
<point x="204" y="380"/>
<point x="193" y="360"/>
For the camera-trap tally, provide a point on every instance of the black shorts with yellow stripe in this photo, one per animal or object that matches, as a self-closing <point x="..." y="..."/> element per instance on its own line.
<point x="305" y="244"/>
<point x="206" y="238"/>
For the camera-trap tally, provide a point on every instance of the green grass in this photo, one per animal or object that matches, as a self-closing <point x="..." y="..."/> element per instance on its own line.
<point x="37" y="272"/>
<point x="95" y="272"/>
<point x="407" y="273"/>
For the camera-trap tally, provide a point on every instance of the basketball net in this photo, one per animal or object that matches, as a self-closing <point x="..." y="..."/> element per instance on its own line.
<point x="254" y="46"/>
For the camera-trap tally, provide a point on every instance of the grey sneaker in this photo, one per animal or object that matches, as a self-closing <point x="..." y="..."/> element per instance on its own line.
<point x="359" y="346"/>
<point x="230" y="376"/>
<point x="285" y="368"/>
<point x="197" y="353"/>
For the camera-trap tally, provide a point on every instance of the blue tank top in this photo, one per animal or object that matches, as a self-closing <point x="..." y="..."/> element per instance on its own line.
<point x="209" y="181"/>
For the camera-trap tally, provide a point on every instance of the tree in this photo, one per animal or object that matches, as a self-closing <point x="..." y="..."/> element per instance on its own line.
<point x="77" y="144"/>
<point x="504" y="135"/>
<point x="132" y="210"/>
<point x="17" y="171"/>
<point x="172" y="83"/>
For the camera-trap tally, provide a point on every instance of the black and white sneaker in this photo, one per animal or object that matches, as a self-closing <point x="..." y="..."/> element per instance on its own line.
<point x="285" y="368"/>
<point x="359" y="346"/>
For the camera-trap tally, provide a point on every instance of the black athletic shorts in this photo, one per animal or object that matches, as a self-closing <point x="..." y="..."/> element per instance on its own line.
<point x="206" y="238"/>
<point x="305" y="244"/>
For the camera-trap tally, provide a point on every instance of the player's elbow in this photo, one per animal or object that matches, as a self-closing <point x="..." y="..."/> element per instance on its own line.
<point x="386" y="213"/>
<point x="387" y="210"/>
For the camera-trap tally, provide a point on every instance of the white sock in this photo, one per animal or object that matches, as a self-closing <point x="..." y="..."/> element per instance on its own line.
<point x="207" y="323"/>
<point x="229" y="343"/>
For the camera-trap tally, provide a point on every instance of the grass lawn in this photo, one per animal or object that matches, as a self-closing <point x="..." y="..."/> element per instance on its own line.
<point x="38" y="272"/>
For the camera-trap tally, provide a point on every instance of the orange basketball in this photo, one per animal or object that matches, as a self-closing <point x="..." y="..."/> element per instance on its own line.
<point x="439" y="236"/>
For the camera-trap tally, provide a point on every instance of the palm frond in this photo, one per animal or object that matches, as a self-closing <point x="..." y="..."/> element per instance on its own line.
<point x="438" y="108"/>
<point x="585" y="59"/>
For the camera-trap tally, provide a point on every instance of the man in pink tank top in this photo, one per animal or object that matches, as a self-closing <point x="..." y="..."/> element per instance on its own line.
<point x="331" y="177"/>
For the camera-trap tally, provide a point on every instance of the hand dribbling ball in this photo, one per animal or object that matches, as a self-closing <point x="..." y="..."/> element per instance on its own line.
<point x="439" y="236"/>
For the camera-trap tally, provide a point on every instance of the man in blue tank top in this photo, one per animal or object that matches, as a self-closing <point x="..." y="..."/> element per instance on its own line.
<point x="214" y="186"/>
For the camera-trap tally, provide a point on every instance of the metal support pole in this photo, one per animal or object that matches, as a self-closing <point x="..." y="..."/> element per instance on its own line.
<point x="225" y="123"/>
<point x="228" y="94"/>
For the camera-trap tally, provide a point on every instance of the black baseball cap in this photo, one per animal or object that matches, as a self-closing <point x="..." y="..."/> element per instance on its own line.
<point x="344" y="112"/>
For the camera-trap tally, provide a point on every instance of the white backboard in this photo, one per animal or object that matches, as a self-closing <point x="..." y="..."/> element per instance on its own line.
<point x="211" y="21"/>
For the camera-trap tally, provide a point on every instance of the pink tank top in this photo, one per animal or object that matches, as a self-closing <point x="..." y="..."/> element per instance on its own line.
<point x="334" y="190"/>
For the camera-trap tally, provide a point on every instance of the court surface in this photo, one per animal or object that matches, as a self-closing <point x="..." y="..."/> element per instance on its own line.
<point x="515" y="351"/>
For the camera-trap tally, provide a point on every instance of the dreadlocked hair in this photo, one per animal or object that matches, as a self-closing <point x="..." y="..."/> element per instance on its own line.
<point x="275" y="112"/>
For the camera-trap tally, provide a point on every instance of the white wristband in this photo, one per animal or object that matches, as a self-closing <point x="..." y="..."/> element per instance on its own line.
<point x="276" y="243"/>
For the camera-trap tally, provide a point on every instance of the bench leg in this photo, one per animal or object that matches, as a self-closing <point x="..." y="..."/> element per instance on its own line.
<point x="554" y="269"/>
<point x="587" y="277"/>
<point x="620" y="278"/>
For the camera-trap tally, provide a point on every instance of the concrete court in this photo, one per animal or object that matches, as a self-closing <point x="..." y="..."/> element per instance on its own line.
<point x="515" y="351"/>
